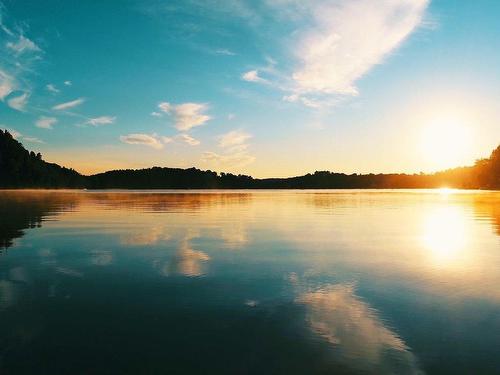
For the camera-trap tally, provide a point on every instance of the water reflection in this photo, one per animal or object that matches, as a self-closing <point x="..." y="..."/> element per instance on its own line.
<point x="445" y="235"/>
<point x="359" y="338"/>
<point x="207" y="267"/>
<point x="101" y="257"/>
<point x="144" y="236"/>
<point x="488" y="207"/>
<point x="24" y="210"/>
<point x="186" y="261"/>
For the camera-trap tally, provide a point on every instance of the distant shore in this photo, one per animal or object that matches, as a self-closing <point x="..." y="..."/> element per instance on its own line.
<point x="20" y="168"/>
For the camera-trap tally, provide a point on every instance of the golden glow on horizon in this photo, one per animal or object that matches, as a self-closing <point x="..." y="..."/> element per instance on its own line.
<point x="446" y="191"/>
<point x="446" y="142"/>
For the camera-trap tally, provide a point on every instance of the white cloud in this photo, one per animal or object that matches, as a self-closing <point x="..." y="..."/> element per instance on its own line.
<point x="44" y="122"/>
<point x="33" y="140"/>
<point x="312" y="102"/>
<point x="52" y="88"/>
<point x="186" y="115"/>
<point x="224" y="52"/>
<point x="68" y="105"/>
<point x="152" y="140"/>
<point x="166" y="140"/>
<point x="348" y="39"/>
<point x="18" y="102"/>
<point x="253" y="76"/>
<point x="18" y="136"/>
<point x="234" y="151"/>
<point x="23" y="45"/>
<point x="3" y="26"/>
<point x="6" y="85"/>
<point x="103" y="120"/>
<point x="156" y="114"/>
<point x="165" y="107"/>
<point x="68" y="83"/>
<point x="236" y="160"/>
<point x="14" y="133"/>
<point x="188" y="139"/>
<point x="233" y="138"/>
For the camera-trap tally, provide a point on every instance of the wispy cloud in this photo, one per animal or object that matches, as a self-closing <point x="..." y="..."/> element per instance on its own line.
<point x="253" y="76"/>
<point x="44" y="122"/>
<point x="224" y="52"/>
<point x="18" y="102"/>
<point x="186" y="115"/>
<point x="166" y="140"/>
<point x="68" y="105"/>
<point x="14" y="133"/>
<point x="335" y="43"/>
<point x="237" y="160"/>
<point x="7" y="85"/>
<point x="186" y="138"/>
<point x="23" y="44"/>
<point x="150" y="140"/>
<point x="33" y="140"/>
<point x="68" y="83"/>
<point x="348" y="39"/>
<point x="18" y="136"/>
<point x="233" y="138"/>
<point x="52" y="88"/>
<point x="103" y="120"/>
<point x="19" y="54"/>
<point x="234" y="151"/>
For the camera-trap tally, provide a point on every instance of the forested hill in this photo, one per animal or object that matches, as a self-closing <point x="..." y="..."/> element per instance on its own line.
<point x="20" y="168"/>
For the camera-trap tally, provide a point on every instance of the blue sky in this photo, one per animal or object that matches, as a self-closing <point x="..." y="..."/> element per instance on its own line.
<point x="268" y="88"/>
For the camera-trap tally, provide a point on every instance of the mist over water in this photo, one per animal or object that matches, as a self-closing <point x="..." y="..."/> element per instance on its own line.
<point x="381" y="282"/>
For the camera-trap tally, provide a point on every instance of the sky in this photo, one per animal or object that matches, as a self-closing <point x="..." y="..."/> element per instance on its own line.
<point x="261" y="87"/>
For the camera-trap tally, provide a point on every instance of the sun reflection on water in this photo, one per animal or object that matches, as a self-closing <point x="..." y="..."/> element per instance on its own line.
<point x="445" y="235"/>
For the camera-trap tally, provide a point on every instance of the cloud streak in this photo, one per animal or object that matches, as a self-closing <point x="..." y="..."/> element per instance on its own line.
<point x="224" y="52"/>
<point x="7" y="85"/>
<point x="186" y="138"/>
<point x="18" y="136"/>
<point x="233" y="138"/>
<point x="68" y="105"/>
<point x="52" y="88"/>
<point x="186" y="115"/>
<point x="44" y="122"/>
<point x="19" y="102"/>
<point x="23" y="45"/>
<point x="253" y="76"/>
<point x="348" y="39"/>
<point x="102" y="120"/>
<point x="334" y="44"/>
<point x="150" y="140"/>
<point x="234" y="151"/>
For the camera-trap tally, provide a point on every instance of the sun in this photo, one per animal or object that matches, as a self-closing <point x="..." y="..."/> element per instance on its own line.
<point x="446" y="142"/>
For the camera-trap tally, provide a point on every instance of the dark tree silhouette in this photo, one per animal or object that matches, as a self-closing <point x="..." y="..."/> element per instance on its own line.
<point x="20" y="168"/>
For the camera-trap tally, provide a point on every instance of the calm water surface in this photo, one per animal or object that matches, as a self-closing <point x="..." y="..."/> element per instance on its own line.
<point x="238" y="282"/>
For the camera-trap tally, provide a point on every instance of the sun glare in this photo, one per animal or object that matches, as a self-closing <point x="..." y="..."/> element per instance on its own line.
<point x="445" y="235"/>
<point x="446" y="142"/>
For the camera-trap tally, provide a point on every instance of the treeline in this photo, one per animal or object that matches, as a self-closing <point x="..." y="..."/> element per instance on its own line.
<point x="22" y="169"/>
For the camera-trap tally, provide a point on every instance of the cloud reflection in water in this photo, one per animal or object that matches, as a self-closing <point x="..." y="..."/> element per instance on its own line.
<point x="358" y="336"/>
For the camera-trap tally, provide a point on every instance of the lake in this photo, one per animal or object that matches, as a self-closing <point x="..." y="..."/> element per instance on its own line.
<point x="244" y="282"/>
